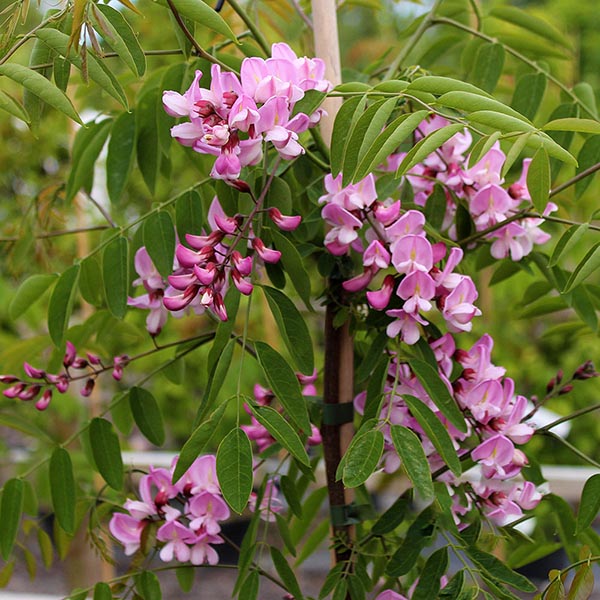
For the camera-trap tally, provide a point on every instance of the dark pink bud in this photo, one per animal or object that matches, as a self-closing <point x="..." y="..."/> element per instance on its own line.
<point x="585" y="371"/>
<point x="229" y="99"/>
<point x="244" y="286"/>
<point x="33" y="372"/>
<point x="180" y="301"/>
<point x="121" y="359"/>
<point x="204" y="108"/>
<point x="187" y="258"/>
<point x="30" y="392"/>
<point x="551" y="385"/>
<point x="219" y="307"/>
<point x="70" y="355"/>
<point x="243" y="265"/>
<point x="360" y="282"/>
<point x="205" y="275"/>
<point x="286" y="223"/>
<point x="387" y="214"/>
<point x="93" y="359"/>
<point x="461" y="355"/>
<point x="88" y="388"/>
<point x="8" y="379"/>
<point x="44" y="401"/>
<point x="62" y="385"/>
<point x="381" y="298"/>
<point x="239" y="185"/>
<point x="469" y="374"/>
<point x="226" y="224"/>
<point x="267" y="254"/>
<point x="559" y="375"/>
<point x="565" y="390"/>
<point x="117" y="373"/>
<point x="14" y="390"/>
<point x="80" y="363"/>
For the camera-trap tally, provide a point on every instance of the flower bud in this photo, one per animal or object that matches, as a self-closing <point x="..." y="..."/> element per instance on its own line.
<point x="33" y="372"/>
<point x="70" y="355"/>
<point x="30" y="392"/>
<point x="93" y="359"/>
<point x="80" y="363"/>
<point x="88" y="388"/>
<point x="44" y="401"/>
<point x="8" y="379"/>
<point x="585" y="371"/>
<point x="14" y="390"/>
<point x="565" y="390"/>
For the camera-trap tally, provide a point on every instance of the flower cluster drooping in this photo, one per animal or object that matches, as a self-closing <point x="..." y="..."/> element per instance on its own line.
<point x="495" y="418"/>
<point x="397" y="240"/>
<point x="479" y="188"/>
<point x="187" y="514"/>
<point x="233" y="118"/>
<point x="44" y="383"/>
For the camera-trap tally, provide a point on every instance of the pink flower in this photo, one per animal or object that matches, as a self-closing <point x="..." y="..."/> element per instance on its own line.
<point x="285" y="223"/>
<point x="381" y="298"/>
<point x="127" y="530"/>
<point x="177" y="537"/>
<point x="416" y="289"/>
<point x="412" y="253"/>
<point x="207" y="510"/>
<point x="405" y="325"/>
<point x="458" y="308"/>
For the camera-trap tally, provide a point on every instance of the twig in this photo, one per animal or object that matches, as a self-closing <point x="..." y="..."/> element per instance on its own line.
<point x="574" y="180"/>
<point x="51" y="234"/>
<point x="573" y="415"/>
<point x="302" y="14"/>
<point x="102" y="210"/>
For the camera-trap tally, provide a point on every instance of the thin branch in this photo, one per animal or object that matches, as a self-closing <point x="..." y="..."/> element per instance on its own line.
<point x="51" y="234"/>
<point x="302" y="14"/>
<point x="574" y="180"/>
<point x="258" y="36"/>
<point x="570" y="446"/>
<point x="102" y="210"/>
<point x="199" y="49"/>
<point x="573" y="415"/>
<point x="406" y="49"/>
<point x="517" y="55"/>
<point x="558" y="220"/>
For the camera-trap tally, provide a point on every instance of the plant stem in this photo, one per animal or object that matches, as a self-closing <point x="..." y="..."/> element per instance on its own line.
<point x="60" y="232"/>
<point x="258" y="36"/>
<point x="574" y="180"/>
<point x="418" y="34"/>
<point x="573" y="415"/>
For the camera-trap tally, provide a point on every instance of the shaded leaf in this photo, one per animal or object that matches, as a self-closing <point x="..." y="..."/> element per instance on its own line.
<point x="62" y="489"/>
<point x="285" y="572"/>
<point x="29" y="292"/>
<point x="573" y="124"/>
<point x="538" y="180"/>
<point x="106" y="451"/>
<point x="115" y="275"/>
<point x="588" y="156"/>
<point x="61" y="305"/>
<point x="362" y="457"/>
<point x="147" y="415"/>
<point x="590" y="503"/>
<point x="234" y="469"/>
<point x="159" y="240"/>
<point x="567" y="240"/>
<point x="11" y="509"/>
<point x="204" y="15"/>
<point x="347" y="115"/>
<point x="12" y="107"/>
<point x="529" y="93"/>
<point x="589" y="264"/>
<point x="121" y="154"/>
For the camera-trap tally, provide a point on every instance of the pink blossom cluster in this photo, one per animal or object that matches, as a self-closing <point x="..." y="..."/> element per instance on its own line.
<point x="480" y="188"/>
<point x="396" y="241"/>
<point x="496" y="421"/>
<point x="187" y="514"/>
<point x="206" y="268"/>
<point x="233" y="118"/>
<point x="45" y="383"/>
<point x="264" y="397"/>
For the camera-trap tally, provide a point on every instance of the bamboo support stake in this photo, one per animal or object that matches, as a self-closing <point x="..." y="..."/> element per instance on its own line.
<point x="339" y="347"/>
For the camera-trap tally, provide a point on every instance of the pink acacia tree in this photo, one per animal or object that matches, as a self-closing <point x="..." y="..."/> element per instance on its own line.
<point x="413" y="174"/>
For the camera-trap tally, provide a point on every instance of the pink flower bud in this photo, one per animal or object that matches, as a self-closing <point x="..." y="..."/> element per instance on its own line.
<point x="88" y="388"/>
<point x="243" y="265"/>
<point x="268" y="255"/>
<point x="80" y="363"/>
<point x="360" y="282"/>
<point x="30" y="392"/>
<point x="286" y="223"/>
<point x="381" y="298"/>
<point x="565" y="390"/>
<point x="205" y="275"/>
<point x="70" y="355"/>
<point x="8" y="379"/>
<point x="117" y="373"/>
<point x="93" y="359"/>
<point x="387" y="214"/>
<point x="33" y="372"/>
<point x="239" y="185"/>
<point x="219" y="307"/>
<point x="245" y="287"/>
<point x="62" y="385"/>
<point x="14" y="390"/>
<point x="44" y="401"/>
<point x="226" y="224"/>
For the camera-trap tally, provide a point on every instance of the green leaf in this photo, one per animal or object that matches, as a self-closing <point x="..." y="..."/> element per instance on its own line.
<point x="573" y="124"/>
<point x="502" y="122"/>
<point x="567" y="241"/>
<point x="588" y="156"/>
<point x="311" y="100"/>
<point x="284" y="383"/>
<point x="435" y="207"/>
<point x="12" y="107"/>
<point x="46" y="548"/>
<point x="149" y="154"/>
<point x="518" y="145"/>
<point x="250" y="587"/>
<point x="102" y="591"/>
<point x="363" y="134"/>
<point x="147" y="415"/>
<point x="198" y="11"/>
<point x="489" y="62"/>
<point x="121" y="154"/>
<point x="387" y="141"/>
<point x="441" y="85"/>
<point x="11" y="509"/>
<point x="40" y="55"/>
<point x="538" y="179"/>
<point x="185" y="578"/>
<point x="435" y="431"/>
<point x="90" y="281"/>
<point x="498" y="570"/>
<point x="589" y="264"/>
<point x="482" y="147"/>
<point x="106" y="451"/>
<point x="188" y="214"/>
<point x="96" y="70"/>
<point x="62" y="489"/>
<point x="29" y="292"/>
<point x="159" y="239"/>
<point x="294" y="266"/>
<point x="590" y="503"/>
<point x="410" y="449"/>
<point x="120" y="37"/>
<point x="438" y="392"/>
<point x="115" y="274"/>
<point x="39" y="86"/>
<point x="587" y="97"/>
<point x="285" y="572"/>
<point x="362" y="457"/>
<point x="347" y="115"/>
<point x="554" y="149"/>
<point x="234" y="469"/>
<point x="293" y="329"/>
<point x="582" y="586"/>
<point x="198" y="442"/>
<point x="281" y="430"/>
<point x="435" y="567"/>
<point x="90" y="141"/>
<point x="61" y="305"/>
<point x="531" y="24"/>
<point x="6" y="573"/>
<point x="148" y="586"/>
<point x="529" y="93"/>
<point x="313" y="541"/>
<point x="469" y="102"/>
<point x="426" y="146"/>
